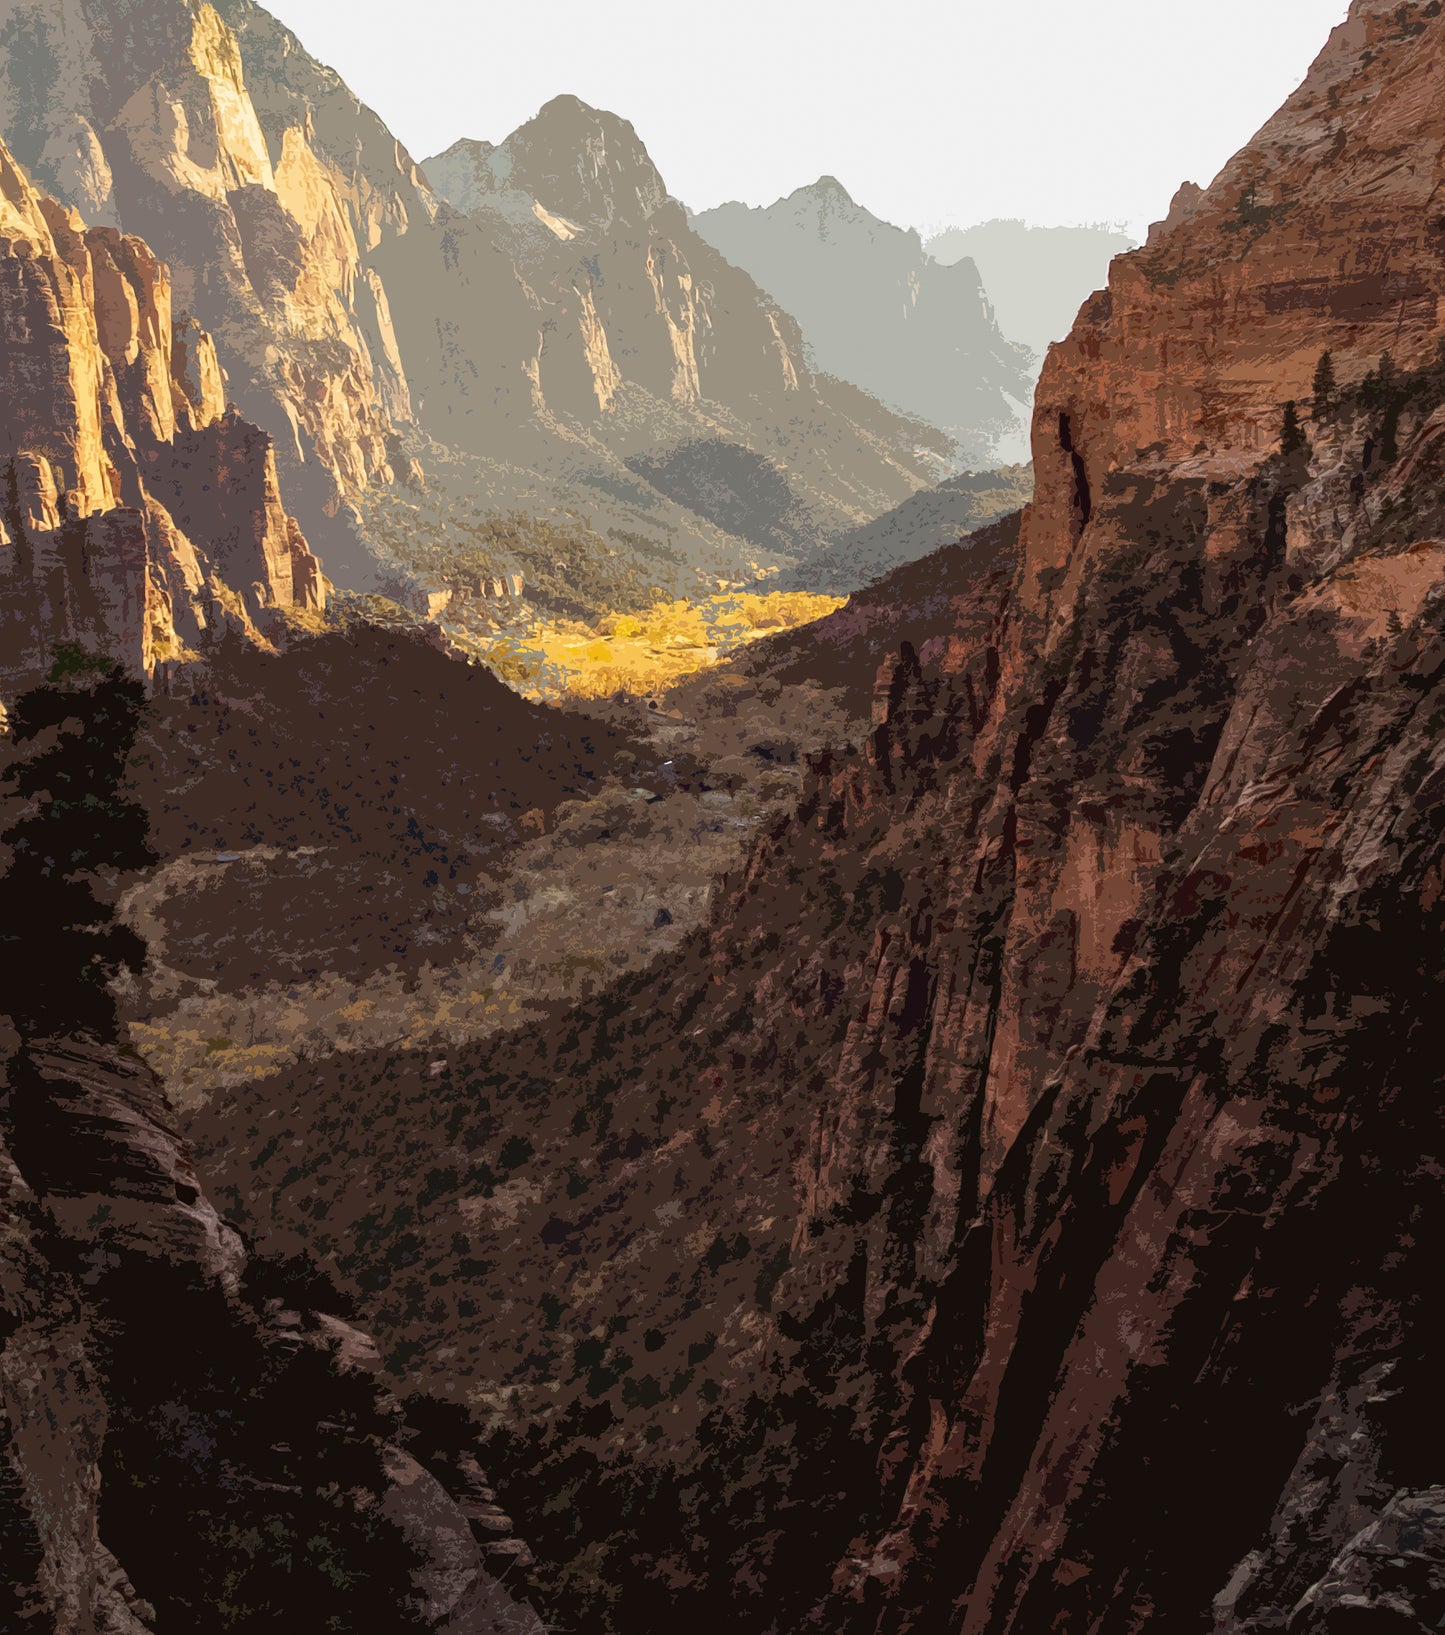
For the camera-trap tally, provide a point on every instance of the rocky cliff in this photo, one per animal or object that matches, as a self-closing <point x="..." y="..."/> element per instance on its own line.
<point x="186" y="1431"/>
<point x="143" y="121"/>
<point x="362" y="321"/>
<point x="879" y="311"/>
<point x="1018" y="1210"/>
<point x="140" y="515"/>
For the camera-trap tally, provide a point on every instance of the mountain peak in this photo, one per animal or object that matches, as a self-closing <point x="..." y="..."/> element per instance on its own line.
<point x="567" y="118"/>
<point x="468" y="147"/>
<point x="582" y="163"/>
<point x="569" y="105"/>
<point x="463" y="175"/>
<point x="875" y="310"/>
<point x="828" y="191"/>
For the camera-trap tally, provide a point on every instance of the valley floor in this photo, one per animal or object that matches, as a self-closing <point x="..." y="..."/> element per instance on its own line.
<point x="602" y="885"/>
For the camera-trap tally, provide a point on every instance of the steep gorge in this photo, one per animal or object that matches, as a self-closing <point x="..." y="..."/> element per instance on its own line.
<point x="1016" y="1210"/>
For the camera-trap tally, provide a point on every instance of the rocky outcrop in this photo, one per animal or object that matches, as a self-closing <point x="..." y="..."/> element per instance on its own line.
<point x="1018" y="1210"/>
<point x="141" y="516"/>
<point x="145" y="122"/>
<point x="181" y="1429"/>
<point x="879" y="311"/>
<point x="1310" y="240"/>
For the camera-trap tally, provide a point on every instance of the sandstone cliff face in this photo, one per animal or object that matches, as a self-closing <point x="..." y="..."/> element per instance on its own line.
<point x="143" y="121"/>
<point x="1323" y="234"/>
<point x="877" y="310"/>
<point x="141" y="517"/>
<point x="1049" y="1117"/>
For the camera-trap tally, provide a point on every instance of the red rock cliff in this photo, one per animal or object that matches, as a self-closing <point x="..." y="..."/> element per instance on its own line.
<point x="142" y="119"/>
<point x="139" y="515"/>
<point x="1037" y="1162"/>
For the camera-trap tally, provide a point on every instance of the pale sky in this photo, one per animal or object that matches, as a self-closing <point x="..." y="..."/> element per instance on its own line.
<point x="931" y="112"/>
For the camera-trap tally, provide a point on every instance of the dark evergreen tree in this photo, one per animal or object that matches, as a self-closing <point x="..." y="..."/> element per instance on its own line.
<point x="1291" y="437"/>
<point x="1378" y="388"/>
<point x="1325" y="394"/>
<point x="60" y="942"/>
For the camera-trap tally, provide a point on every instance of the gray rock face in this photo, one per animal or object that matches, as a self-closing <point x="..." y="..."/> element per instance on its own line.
<point x="1389" y="1577"/>
<point x="457" y="1593"/>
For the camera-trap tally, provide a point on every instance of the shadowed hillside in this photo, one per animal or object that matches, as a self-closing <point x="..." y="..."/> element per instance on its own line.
<point x="1013" y="1210"/>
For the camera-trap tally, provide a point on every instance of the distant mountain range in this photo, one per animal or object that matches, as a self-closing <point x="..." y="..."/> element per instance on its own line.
<point x="531" y="328"/>
<point x="1036" y="277"/>
<point x="953" y="329"/>
<point x="877" y="310"/>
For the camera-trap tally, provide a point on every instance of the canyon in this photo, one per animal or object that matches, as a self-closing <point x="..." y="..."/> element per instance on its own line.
<point x="433" y="353"/>
<point x="1006" y="1200"/>
<point x="1011" y="1210"/>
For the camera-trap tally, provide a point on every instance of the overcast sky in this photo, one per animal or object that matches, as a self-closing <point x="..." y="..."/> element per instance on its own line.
<point x="931" y="112"/>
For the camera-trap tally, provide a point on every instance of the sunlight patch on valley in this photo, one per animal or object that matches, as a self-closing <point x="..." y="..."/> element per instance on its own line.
<point x="647" y="652"/>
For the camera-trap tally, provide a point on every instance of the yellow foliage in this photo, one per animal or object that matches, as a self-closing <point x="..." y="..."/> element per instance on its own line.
<point x="650" y="651"/>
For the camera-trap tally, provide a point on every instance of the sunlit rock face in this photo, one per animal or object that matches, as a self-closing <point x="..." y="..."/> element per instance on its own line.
<point x="141" y="517"/>
<point x="143" y="120"/>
